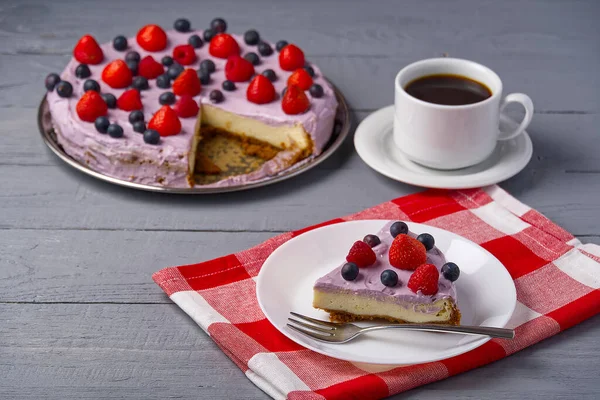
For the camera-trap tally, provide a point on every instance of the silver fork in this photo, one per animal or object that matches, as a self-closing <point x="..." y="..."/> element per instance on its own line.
<point x="332" y="332"/>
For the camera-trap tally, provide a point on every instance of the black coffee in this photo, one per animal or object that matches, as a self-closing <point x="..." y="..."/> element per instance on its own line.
<point x="451" y="90"/>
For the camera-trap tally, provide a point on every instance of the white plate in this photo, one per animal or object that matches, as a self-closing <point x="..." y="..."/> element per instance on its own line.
<point x="486" y="294"/>
<point x="374" y="143"/>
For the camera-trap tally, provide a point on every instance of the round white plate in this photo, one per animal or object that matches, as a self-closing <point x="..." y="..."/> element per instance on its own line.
<point x="374" y="143"/>
<point x="486" y="294"/>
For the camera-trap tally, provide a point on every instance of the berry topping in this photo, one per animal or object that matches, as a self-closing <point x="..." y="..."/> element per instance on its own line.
<point x="270" y="75"/>
<point x="350" y="271"/>
<point x="87" y="51"/>
<point x="132" y="56"/>
<point x="252" y="57"/>
<point x="280" y="45"/>
<point x="208" y="34"/>
<point x="427" y="240"/>
<point x="265" y="49"/>
<point x="182" y="25"/>
<point x="165" y="121"/>
<point x="223" y="45"/>
<point x="424" y="279"/>
<point x="228" y="86"/>
<point x="184" y="54"/>
<point x="407" y="253"/>
<point x="140" y="83"/>
<point x="398" y="228"/>
<point x="174" y="71"/>
<point x="238" y="69"/>
<point x="91" y="84"/>
<point x="218" y="25"/>
<point x="64" y="89"/>
<point x="151" y="136"/>
<point x="361" y="254"/>
<point x="251" y="37"/>
<point x="163" y="81"/>
<point x="130" y="100"/>
<point x="187" y="83"/>
<point x="149" y="68"/>
<point x="389" y="278"/>
<point x="51" y="81"/>
<point x="166" y="61"/>
<point x="139" y="126"/>
<point x="117" y="74"/>
<point x="283" y="91"/>
<point x="82" y="71"/>
<point x="109" y="99"/>
<point x="101" y="124"/>
<point x="152" y="38"/>
<point x="133" y="66"/>
<point x="136" y="116"/>
<point x="260" y="90"/>
<point x="310" y="70"/>
<point x="291" y="58"/>
<point x="186" y="107"/>
<point x="115" y="131"/>
<point x="216" y="96"/>
<point x="120" y="43"/>
<point x="372" y="240"/>
<point x="294" y="101"/>
<point x="195" y="41"/>
<point x="204" y="76"/>
<point x="167" y="98"/>
<point x="208" y="65"/>
<point x="316" y="91"/>
<point x="91" y="106"/>
<point x="450" y="271"/>
<point x="300" y="78"/>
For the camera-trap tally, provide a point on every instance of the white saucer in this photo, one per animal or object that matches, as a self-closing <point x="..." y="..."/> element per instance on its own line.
<point x="374" y="144"/>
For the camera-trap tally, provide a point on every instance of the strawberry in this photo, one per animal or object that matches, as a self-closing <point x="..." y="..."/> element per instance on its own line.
<point x="260" y="90"/>
<point x="186" y="107"/>
<point x="361" y="254"/>
<point x="165" y="121"/>
<point x="117" y="75"/>
<point x="238" y="69"/>
<point x="184" y="54"/>
<point x="87" y="51"/>
<point x="130" y="100"/>
<point x="152" y="38"/>
<point x="300" y="78"/>
<point x="425" y="278"/>
<point x="149" y="68"/>
<point x="407" y="253"/>
<point x="294" y="101"/>
<point x="223" y="45"/>
<point x="291" y="58"/>
<point x="91" y="106"/>
<point x="187" y="83"/>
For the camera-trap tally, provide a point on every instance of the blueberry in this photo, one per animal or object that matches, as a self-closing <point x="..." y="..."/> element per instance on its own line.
<point x="135" y="116"/>
<point x="195" y="41"/>
<point x="283" y="91"/>
<point x="101" y="124"/>
<point x="110" y="100"/>
<point x="151" y="136"/>
<point x="120" y="43"/>
<point x="83" y="71"/>
<point x="132" y="56"/>
<point x="216" y="96"/>
<point x="51" y="81"/>
<point x="140" y="83"/>
<point x="218" y="25"/>
<point x="316" y="90"/>
<point x="251" y="37"/>
<point x="91" y="84"/>
<point x="350" y="271"/>
<point x="270" y="75"/>
<point x="265" y="49"/>
<point x="64" y="89"/>
<point x="208" y="65"/>
<point x="115" y="131"/>
<point x="427" y="240"/>
<point x="450" y="271"/>
<point x="372" y="240"/>
<point x="389" y="278"/>
<point x="280" y="45"/>
<point x="163" y="81"/>
<point x="166" y="99"/>
<point x="310" y="70"/>
<point x="208" y="35"/>
<point x="133" y="66"/>
<point x="228" y="86"/>
<point x="203" y="76"/>
<point x="182" y="25"/>
<point x="252" y="57"/>
<point x="398" y="228"/>
<point x="139" y="126"/>
<point x="167" y="61"/>
<point x="174" y="71"/>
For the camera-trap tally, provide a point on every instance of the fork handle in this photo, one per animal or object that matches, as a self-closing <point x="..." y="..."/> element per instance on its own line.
<point x="502" y="333"/>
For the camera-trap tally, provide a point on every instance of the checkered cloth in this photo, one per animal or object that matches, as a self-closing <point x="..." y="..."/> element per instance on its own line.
<point x="556" y="276"/>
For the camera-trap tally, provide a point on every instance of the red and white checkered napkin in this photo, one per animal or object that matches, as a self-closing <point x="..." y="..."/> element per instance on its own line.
<point x="557" y="280"/>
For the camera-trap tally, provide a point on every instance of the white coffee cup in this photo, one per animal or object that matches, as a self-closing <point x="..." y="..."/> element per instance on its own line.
<point x="450" y="136"/>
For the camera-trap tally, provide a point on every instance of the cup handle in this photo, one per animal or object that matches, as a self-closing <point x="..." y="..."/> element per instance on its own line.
<point x="526" y="102"/>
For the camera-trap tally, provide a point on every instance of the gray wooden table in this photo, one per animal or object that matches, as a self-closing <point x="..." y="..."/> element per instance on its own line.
<point x="80" y="317"/>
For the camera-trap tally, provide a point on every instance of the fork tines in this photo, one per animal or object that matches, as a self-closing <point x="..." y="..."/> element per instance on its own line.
<point x="315" y="328"/>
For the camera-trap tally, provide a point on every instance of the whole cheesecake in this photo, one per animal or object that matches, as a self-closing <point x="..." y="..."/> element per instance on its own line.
<point x="156" y="96"/>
